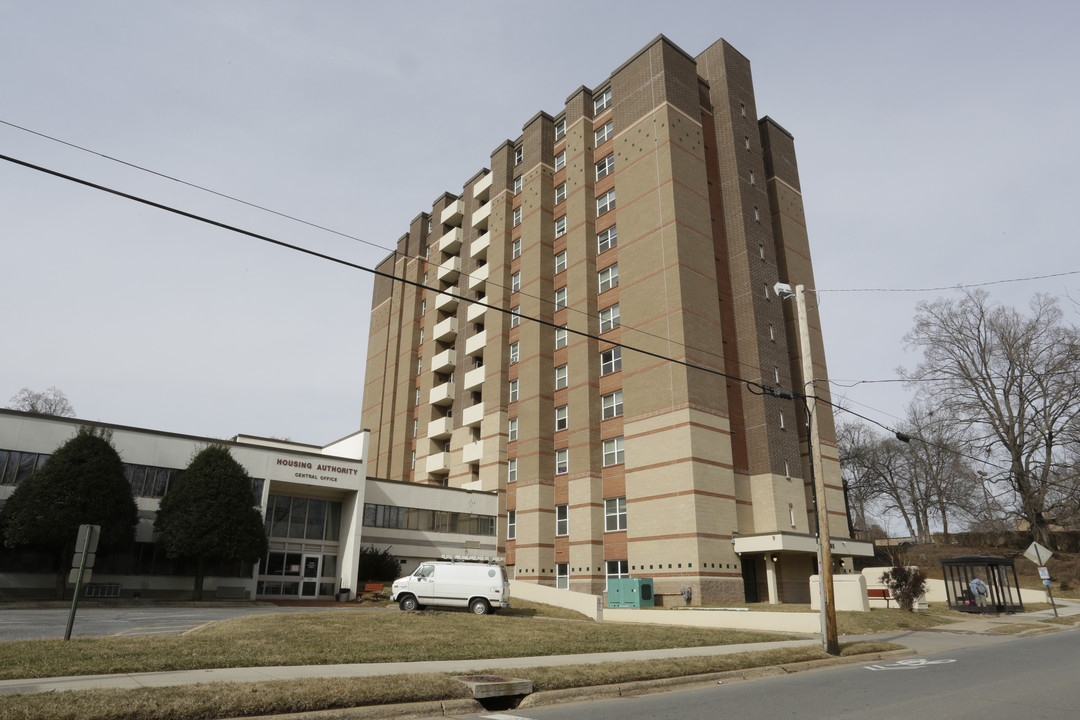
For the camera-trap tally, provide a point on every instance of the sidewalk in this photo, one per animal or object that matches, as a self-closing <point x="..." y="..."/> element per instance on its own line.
<point x="921" y="641"/>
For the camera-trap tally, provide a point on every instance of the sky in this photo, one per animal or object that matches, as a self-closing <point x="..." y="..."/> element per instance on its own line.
<point x="936" y="144"/>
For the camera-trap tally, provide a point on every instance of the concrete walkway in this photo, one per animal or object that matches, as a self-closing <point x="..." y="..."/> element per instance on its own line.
<point x="956" y="635"/>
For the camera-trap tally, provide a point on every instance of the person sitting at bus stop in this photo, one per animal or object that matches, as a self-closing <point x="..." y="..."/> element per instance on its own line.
<point x="981" y="593"/>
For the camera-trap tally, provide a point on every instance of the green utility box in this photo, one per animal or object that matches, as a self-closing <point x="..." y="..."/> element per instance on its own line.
<point x="630" y="593"/>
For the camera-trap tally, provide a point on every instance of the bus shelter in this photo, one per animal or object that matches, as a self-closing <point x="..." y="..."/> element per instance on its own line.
<point x="999" y="574"/>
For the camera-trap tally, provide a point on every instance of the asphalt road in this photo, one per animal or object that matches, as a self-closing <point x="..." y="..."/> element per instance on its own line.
<point x="1029" y="678"/>
<point x="50" y="622"/>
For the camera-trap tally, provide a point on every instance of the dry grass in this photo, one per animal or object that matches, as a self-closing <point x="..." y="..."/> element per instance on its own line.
<point x="1014" y="629"/>
<point x="226" y="700"/>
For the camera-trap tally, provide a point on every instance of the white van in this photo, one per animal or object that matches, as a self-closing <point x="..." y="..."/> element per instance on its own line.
<point x="481" y="587"/>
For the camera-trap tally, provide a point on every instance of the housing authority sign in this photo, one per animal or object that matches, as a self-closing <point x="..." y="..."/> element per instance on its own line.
<point x="314" y="471"/>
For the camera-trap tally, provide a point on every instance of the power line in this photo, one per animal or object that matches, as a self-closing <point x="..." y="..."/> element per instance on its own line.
<point x="948" y="287"/>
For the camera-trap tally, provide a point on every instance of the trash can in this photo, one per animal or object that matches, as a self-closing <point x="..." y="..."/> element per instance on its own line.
<point x="343" y="594"/>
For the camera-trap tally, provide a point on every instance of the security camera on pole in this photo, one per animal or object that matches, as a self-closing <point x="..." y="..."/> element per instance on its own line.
<point x="829" y="640"/>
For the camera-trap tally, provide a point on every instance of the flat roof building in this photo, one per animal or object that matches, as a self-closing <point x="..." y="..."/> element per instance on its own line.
<point x="576" y="331"/>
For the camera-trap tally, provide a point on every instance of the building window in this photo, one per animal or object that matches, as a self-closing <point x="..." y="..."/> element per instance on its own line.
<point x="415" y="427"/>
<point x="611" y="361"/>
<point x="560" y="262"/>
<point x="560" y="161"/>
<point x="606" y="131"/>
<point x="560" y="130"/>
<point x="515" y="282"/>
<point x="419" y="365"/>
<point x="515" y="316"/>
<point x="751" y="177"/>
<point x="562" y="461"/>
<point x="766" y="291"/>
<point x="742" y="109"/>
<point x="560" y="337"/>
<point x="560" y="226"/>
<point x="514" y="352"/>
<point x="560" y="298"/>
<point x="511" y="470"/>
<point x="609" y="318"/>
<point x="511" y="524"/>
<point x="776" y="374"/>
<point x="517" y="185"/>
<point x="791" y="514"/>
<point x="613" y="451"/>
<point x="423" y="308"/>
<point x="609" y="277"/>
<point x="605" y="202"/>
<point x="561" y="376"/>
<point x="519" y="155"/>
<point x="560" y="193"/>
<point x="429" y="225"/>
<point x="603" y="102"/>
<point x="513" y="390"/>
<point x="412" y="461"/>
<point x="517" y="216"/>
<point x="615" y="514"/>
<point x="606" y="240"/>
<point x="787" y="470"/>
<point x="512" y="429"/>
<point x="611" y="405"/>
<point x="617" y="569"/>
<point x="562" y="576"/>
<point x="605" y="167"/>
<point x="781" y="419"/>
<point x="757" y="215"/>
<point x="515" y="248"/>
<point x="761" y="251"/>
<point x="772" y="335"/>
<point x="417" y="396"/>
<point x="562" y="519"/>
<point x="562" y="417"/>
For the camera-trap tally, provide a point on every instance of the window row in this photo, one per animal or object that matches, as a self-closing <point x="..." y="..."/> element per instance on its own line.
<point x="302" y="518"/>
<point x="391" y="516"/>
<point x="614" y="521"/>
<point x="613" y="454"/>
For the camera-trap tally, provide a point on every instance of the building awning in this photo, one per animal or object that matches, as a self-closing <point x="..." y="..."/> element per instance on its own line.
<point x="800" y="543"/>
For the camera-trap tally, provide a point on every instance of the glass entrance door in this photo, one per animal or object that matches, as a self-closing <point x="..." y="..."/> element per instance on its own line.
<point x="309" y="582"/>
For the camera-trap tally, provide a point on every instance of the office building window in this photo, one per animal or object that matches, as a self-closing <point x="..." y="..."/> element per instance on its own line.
<point x="560" y="262"/>
<point x="560" y="193"/>
<point x="603" y="133"/>
<point x="412" y="461"/>
<point x="781" y="419"/>
<point x="517" y="185"/>
<point x="515" y="316"/>
<point x="560" y="226"/>
<point x="617" y="569"/>
<point x="615" y="514"/>
<point x="517" y="216"/>
<point x="419" y="365"/>
<point x="511" y="524"/>
<point x="511" y="470"/>
<point x="605" y="202"/>
<point x="515" y="282"/>
<point x="613" y="451"/>
<point x="417" y="396"/>
<point x="609" y="318"/>
<point x="519" y="155"/>
<point x="514" y="352"/>
<point x="611" y="361"/>
<point x="560" y="298"/>
<point x="512" y="429"/>
<point x="415" y="427"/>
<point x="560" y="161"/>
<point x="513" y="390"/>
<point x="515" y="248"/>
<point x="562" y="461"/>
<point x="562" y="520"/>
<point x="751" y="177"/>
<point x="562" y="375"/>
<point x="776" y="374"/>
<point x="609" y="277"/>
<point x="560" y="337"/>
<point x="606" y="240"/>
<point x="602" y="102"/>
<point x="562" y="576"/>
<point x="605" y="167"/>
<point x="560" y="130"/>
<point x="757" y="215"/>
<point x="772" y="335"/>
<point x="611" y="405"/>
<point x="562" y="417"/>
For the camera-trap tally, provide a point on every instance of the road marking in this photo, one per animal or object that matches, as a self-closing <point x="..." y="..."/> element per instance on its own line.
<point x="501" y="716"/>
<point x="160" y="629"/>
<point x="913" y="664"/>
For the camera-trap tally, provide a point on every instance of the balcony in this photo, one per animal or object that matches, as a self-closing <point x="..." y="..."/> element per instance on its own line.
<point x="475" y="378"/>
<point x="449" y="270"/>
<point x="451" y="241"/>
<point x="476" y="311"/>
<point x="475" y="344"/>
<point x="472" y="452"/>
<point x="442" y="394"/>
<point x="479" y="247"/>
<point x="482" y="189"/>
<point x="478" y="277"/>
<point x="438" y="463"/>
<point x="440" y="429"/>
<point x="444" y="361"/>
<point x="447" y="300"/>
<point x="446" y="330"/>
<point x="452" y="213"/>
<point x="480" y="216"/>
<point x="473" y="415"/>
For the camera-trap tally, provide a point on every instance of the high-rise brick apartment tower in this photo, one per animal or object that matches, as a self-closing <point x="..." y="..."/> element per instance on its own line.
<point x="655" y="213"/>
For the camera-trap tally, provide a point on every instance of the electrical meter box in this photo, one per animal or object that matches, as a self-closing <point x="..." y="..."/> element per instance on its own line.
<point x="630" y="593"/>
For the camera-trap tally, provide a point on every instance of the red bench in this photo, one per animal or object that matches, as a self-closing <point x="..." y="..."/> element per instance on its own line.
<point x="879" y="594"/>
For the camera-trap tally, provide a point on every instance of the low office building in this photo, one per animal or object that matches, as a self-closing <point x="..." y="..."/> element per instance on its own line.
<point x="317" y="501"/>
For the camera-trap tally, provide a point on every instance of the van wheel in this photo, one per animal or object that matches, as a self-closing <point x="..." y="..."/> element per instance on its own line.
<point x="479" y="606"/>
<point x="408" y="603"/>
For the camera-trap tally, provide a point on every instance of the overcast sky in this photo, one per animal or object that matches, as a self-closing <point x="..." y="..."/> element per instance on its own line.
<point x="937" y="146"/>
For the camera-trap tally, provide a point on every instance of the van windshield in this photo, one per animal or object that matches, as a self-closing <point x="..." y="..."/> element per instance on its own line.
<point x="425" y="571"/>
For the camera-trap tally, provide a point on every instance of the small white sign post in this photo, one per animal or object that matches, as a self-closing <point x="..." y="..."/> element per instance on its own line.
<point x="81" y="564"/>
<point x="1038" y="554"/>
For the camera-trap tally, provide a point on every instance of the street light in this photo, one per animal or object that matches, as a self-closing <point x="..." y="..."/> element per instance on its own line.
<point x="829" y="640"/>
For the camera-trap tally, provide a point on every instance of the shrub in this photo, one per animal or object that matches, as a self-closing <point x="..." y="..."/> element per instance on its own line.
<point x="906" y="584"/>
<point x="378" y="564"/>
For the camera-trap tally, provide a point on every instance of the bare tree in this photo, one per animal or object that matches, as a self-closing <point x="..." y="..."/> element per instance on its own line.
<point x="1012" y="380"/>
<point x="854" y="442"/>
<point x="50" y="402"/>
